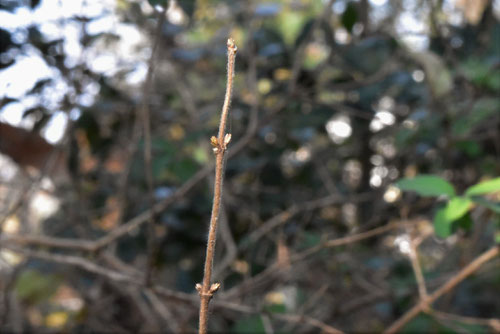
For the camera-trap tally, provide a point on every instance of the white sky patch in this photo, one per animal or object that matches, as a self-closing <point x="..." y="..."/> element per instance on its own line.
<point x="378" y="2"/>
<point x="402" y="242"/>
<point x="413" y="31"/>
<point x="138" y="75"/>
<point x="418" y="75"/>
<point x="54" y="131"/>
<point x="339" y="129"/>
<point x="175" y="14"/>
<point x="17" y="79"/>
<point x="382" y="119"/>
<point x="102" y="24"/>
<point x="12" y="113"/>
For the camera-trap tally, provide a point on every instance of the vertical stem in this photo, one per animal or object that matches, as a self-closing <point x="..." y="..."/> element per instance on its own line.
<point x="206" y="290"/>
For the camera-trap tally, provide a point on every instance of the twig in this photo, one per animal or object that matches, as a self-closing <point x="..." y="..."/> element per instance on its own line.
<point x="274" y="270"/>
<point x="116" y="276"/>
<point x="450" y="284"/>
<point x="72" y="260"/>
<point x="295" y="209"/>
<point x="346" y="240"/>
<point x="493" y="323"/>
<point x="417" y="269"/>
<point x="91" y="267"/>
<point x="206" y="289"/>
<point x="162" y="310"/>
<point x="301" y="319"/>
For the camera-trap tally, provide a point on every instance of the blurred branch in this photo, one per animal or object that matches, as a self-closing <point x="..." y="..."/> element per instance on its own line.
<point x="417" y="269"/>
<point x="146" y="124"/>
<point x="274" y="270"/>
<point x="493" y="323"/>
<point x="450" y="284"/>
<point x="295" y="209"/>
<point x="162" y="310"/>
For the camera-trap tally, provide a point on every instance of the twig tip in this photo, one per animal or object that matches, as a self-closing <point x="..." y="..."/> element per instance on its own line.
<point x="231" y="45"/>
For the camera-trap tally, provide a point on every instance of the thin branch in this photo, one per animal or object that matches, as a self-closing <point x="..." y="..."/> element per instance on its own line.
<point x="449" y="285"/>
<point x="274" y="270"/>
<point x="206" y="290"/>
<point x="295" y="209"/>
<point x="74" y="261"/>
<point x="493" y="323"/>
<point x="304" y="319"/>
<point x="116" y="276"/>
<point x="162" y="310"/>
<point x="417" y="269"/>
<point x="346" y="240"/>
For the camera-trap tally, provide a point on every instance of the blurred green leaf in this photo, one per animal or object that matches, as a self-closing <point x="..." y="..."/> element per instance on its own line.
<point x="275" y="308"/>
<point x="482" y="73"/>
<point x="350" y="16"/>
<point x="291" y="24"/>
<point x="485" y="187"/>
<point x="35" y="287"/>
<point x="454" y="209"/>
<point x="184" y="169"/>
<point x="188" y="6"/>
<point x="250" y="325"/>
<point x="482" y="110"/>
<point x="155" y="3"/>
<point x="469" y="147"/>
<point x="427" y="185"/>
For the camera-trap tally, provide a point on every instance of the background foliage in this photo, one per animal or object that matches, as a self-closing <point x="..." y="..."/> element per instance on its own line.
<point x="339" y="107"/>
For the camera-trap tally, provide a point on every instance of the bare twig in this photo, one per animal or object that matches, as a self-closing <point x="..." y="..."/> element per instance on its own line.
<point x="417" y="269"/>
<point x="295" y="209"/>
<point x="163" y="311"/>
<point x="346" y="240"/>
<point x="493" y="323"/>
<point x="206" y="289"/>
<point x="274" y="270"/>
<point x="116" y="276"/>
<point x="449" y="285"/>
<point x="304" y="319"/>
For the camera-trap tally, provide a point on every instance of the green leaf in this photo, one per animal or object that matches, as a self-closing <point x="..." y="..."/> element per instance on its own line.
<point x="469" y="147"/>
<point x="455" y="209"/>
<point x="188" y="6"/>
<point x="349" y="17"/>
<point x="252" y="324"/>
<point x="483" y="111"/>
<point x="155" y="3"/>
<point x="485" y="187"/>
<point x="34" y="287"/>
<point x="427" y="185"/>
